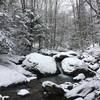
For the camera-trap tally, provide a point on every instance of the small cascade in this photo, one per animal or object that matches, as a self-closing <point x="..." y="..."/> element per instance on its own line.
<point x="60" y="68"/>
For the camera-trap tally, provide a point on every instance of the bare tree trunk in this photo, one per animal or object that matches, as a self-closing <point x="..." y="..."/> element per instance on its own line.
<point x="92" y="25"/>
<point x="50" y="20"/>
<point x="31" y="4"/>
<point x="34" y="5"/>
<point x="74" y="14"/>
<point x="23" y="3"/>
<point x="55" y="23"/>
<point x="46" y="22"/>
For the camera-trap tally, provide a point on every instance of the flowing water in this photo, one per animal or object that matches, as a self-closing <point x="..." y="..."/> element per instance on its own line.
<point x="34" y="87"/>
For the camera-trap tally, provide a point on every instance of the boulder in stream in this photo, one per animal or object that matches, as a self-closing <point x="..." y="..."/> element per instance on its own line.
<point x="23" y="92"/>
<point x="40" y="64"/>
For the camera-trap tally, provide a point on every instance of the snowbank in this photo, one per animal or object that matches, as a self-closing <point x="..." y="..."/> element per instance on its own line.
<point x="44" y="64"/>
<point x="10" y="76"/>
<point x="10" y="73"/>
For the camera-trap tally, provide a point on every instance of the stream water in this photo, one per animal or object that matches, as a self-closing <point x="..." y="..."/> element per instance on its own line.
<point x="34" y="87"/>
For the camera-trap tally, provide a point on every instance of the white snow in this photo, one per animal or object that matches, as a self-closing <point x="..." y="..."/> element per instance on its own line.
<point x="80" y="99"/>
<point x="79" y="77"/>
<point x="84" y="88"/>
<point x="94" y="67"/>
<point x="89" y="58"/>
<point x="94" y="50"/>
<point x="7" y="60"/>
<point x="44" y="64"/>
<point x="23" y="92"/>
<point x="46" y="51"/>
<point x="65" y="86"/>
<point x="68" y="53"/>
<point x="31" y="78"/>
<point x="48" y="83"/>
<point x="10" y="73"/>
<point x="70" y="64"/>
<point x="4" y="97"/>
<point x="90" y="96"/>
<point x="10" y="76"/>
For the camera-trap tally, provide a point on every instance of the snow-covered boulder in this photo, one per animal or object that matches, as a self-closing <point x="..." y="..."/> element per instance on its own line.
<point x="79" y="77"/>
<point x="85" y="89"/>
<point x="11" y="62"/>
<point x="79" y="99"/>
<point x="10" y="76"/>
<point x="23" y="92"/>
<point x="89" y="59"/>
<point x="61" y="55"/>
<point x="94" y="67"/>
<point x="42" y="64"/>
<point x="71" y="64"/>
<point x="90" y="96"/>
<point x="94" y="50"/>
<point x="66" y="86"/>
<point x="74" y="66"/>
<point x="52" y="89"/>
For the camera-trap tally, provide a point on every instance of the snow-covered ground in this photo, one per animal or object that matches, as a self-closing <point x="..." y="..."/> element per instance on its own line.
<point x="10" y="76"/>
<point x="44" y="64"/>
<point x="10" y="73"/>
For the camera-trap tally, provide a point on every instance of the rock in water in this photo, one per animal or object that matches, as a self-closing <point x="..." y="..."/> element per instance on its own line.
<point x="23" y="92"/>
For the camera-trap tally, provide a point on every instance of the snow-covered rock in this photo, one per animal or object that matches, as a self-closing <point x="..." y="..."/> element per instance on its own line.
<point x="48" y="83"/>
<point x="98" y="71"/>
<point x="31" y="78"/>
<point x="61" y="55"/>
<point x="90" y="96"/>
<point x="88" y="89"/>
<point x="10" y="62"/>
<point x="90" y="59"/>
<point x="71" y="64"/>
<point x="66" y="86"/>
<point x="48" y="52"/>
<point x="10" y="76"/>
<point x="79" y="99"/>
<point x="79" y="77"/>
<point x="44" y="64"/>
<point x="23" y="92"/>
<point x="51" y="88"/>
<point x="94" y="66"/>
<point x="4" y="97"/>
<point x="10" y="73"/>
<point x="84" y="88"/>
<point x="94" y="50"/>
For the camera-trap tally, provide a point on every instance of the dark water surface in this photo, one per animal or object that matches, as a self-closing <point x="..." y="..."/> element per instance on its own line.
<point x="34" y="87"/>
